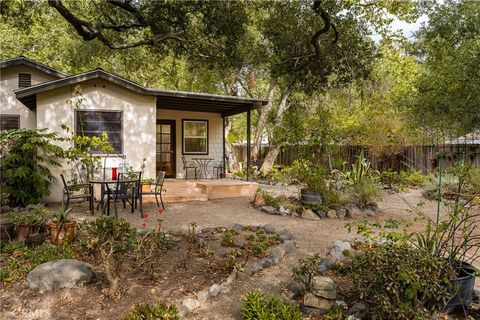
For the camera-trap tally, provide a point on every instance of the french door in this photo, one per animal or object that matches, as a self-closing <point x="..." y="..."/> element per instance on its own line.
<point x="166" y="147"/>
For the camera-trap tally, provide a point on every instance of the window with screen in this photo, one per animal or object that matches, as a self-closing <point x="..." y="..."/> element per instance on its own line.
<point x="9" y="121"/>
<point x="95" y="123"/>
<point x="195" y="136"/>
<point x="24" y="80"/>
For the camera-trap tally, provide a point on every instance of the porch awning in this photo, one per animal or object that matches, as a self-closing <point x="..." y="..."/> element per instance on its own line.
<point x="201" y="102"/>
<point x="166" y="99"/>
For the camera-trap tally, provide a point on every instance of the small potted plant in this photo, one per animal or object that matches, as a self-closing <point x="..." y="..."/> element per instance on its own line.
<point x="147" y="184"/>
<point x="36" y="231"/>
<point x="21" y="221"/>
<point x="62" y="228"/>
<point x="30" y="224"/>
<point x="313" y="176"/>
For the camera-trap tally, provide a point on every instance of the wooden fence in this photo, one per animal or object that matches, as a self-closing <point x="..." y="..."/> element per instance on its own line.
<point x="423" y="158"/>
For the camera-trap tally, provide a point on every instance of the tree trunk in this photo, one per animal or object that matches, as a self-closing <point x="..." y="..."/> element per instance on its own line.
<point x="262" y="121"/>
<point x="275" y="146"/>
<point x="110" y="273"/>
<point x="232" y="158"/>
<point x="270" y="158"/>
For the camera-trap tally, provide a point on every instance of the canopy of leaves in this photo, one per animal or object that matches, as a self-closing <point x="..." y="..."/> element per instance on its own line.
<point x="449" y="87"/>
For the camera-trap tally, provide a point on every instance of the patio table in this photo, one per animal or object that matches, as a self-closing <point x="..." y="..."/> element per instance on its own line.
<point x="203" y="165"/>
<point x="104" y="184"/>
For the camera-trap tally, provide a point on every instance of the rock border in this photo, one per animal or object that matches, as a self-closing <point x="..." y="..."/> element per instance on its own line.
<point x="350" y="210"/>
<point x="274" y="257"/>
<point x="324" y="295"/>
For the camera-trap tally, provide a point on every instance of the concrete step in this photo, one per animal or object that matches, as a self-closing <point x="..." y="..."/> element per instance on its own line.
<point x="180" y="191"/>
<point x="218" y="189"/>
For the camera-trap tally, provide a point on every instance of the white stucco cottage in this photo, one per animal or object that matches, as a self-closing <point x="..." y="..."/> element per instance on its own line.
<point x="160" y="126"/>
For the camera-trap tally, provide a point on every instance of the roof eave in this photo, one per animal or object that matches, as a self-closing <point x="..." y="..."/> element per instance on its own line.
<point x="33" y="64"/>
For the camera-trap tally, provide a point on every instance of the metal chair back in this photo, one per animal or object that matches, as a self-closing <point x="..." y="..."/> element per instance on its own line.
<point x="65" y="187"/>
<point x="160" y="180"/>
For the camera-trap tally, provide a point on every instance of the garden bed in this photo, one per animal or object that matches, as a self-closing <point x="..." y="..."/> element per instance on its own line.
<point x="191" y="262"/>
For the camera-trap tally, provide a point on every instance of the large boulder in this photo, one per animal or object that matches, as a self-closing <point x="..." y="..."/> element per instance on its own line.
<point x="310" y="215"/>
<point x="63" y="273"/>
<point x="311" y="300"/>
<point x="324" y="287"/>
<point x="269" y="210"/>
<point x="353" y="211"/>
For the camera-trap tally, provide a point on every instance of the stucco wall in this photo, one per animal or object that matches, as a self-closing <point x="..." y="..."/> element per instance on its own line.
<point x="215" y="132"/>
<point x="8" y="103"/>
<point x="138" y="121"/>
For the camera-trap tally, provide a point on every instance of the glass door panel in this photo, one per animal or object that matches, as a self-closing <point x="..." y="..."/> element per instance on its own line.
<point x="166" y="147"/>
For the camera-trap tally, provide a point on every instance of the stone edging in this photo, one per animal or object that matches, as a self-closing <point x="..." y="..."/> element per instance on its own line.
<point x="274" y="257"/>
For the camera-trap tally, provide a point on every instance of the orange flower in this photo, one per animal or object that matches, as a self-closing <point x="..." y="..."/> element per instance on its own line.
<point x="144" y="225"/>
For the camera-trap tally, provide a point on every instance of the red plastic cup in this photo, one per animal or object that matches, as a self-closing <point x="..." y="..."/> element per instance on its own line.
<point x="114" y="173"/>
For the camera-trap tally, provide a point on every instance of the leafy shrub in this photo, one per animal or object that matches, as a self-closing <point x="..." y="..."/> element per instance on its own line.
<point x="270" y="199"/>
<point x="258" y="307"/>
<point x="403" y="178"/>
<point x="20" y="259"/>
<point x="229" y="237"/>
<point x="160" y="311"/>
<point x="260" y="243"/>
<point x="109" y="238"/>
<point x="400" y="282"/>
<point x="366" y="192"/>
<point x="449" y="185"/>
<point x="28" y="155"/>
<point x="415" y="178"/>
<point x="305" y="272"/>
<point x="35" y="218"/>
<point x="459" y="177"/>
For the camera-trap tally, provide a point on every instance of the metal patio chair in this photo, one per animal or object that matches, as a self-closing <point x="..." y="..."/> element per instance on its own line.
<point x="69" y="192"/>
<point x="124" y="191"/>
<point x="189" y="165"/>
<point x="157" y="191"/>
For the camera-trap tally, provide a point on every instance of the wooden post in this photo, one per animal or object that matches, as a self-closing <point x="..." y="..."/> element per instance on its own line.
<point x="224" y="151"/>
<point x="248" y="144"/>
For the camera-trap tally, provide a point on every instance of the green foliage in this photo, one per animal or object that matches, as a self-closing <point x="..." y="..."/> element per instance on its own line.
<point x="260" y="242"/>
<point x="449" y="88"/>
<point x="458" y="178"/>
<point x="61" y="216"/>
<point x="305" y="171"/>
<point x="401" y="282"/>
<point x="270" y="199"/>
<point x="403" y="178"/>
<point x="337" y="313"/>
<point x="109" y="238"/>
<point x="20" y="259"/>
<point x="160" y="311"/>
<point x="366" y="192"/>
<point x="108" y="235"/>
<point x="259" y="307"/>
<point x="28" y="157"/>
<point x="229" y="238"/>
<point x="82" y="147"/>
<point x="34" y="218"/>
<point x="305" y="272"/>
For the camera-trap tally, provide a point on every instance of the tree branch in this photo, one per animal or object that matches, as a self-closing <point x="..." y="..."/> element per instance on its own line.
<point x="317" y="7"/>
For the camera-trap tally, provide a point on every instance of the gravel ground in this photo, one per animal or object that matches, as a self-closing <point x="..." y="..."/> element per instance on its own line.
<point x="310" y="237"/>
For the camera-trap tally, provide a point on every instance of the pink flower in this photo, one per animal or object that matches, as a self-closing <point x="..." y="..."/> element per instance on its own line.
<point x="145" y="216"/>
